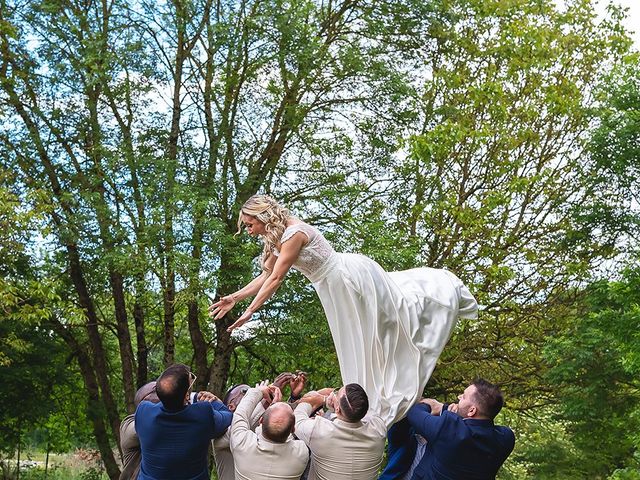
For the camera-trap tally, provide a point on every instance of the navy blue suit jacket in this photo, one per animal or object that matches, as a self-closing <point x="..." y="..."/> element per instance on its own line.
<point x="457" y="448"/>
<point x="175" y="444"/>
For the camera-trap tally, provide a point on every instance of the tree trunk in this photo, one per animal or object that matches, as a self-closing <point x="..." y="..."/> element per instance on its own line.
<point x="19" y="447"/>
<point x="95" y="340"/>
<point x="94" y="405"/>
<point x="106" y="223"/>
<point x="222" y="359"/>
<point x="141" y="342"/>
<point x="197" y="338"/>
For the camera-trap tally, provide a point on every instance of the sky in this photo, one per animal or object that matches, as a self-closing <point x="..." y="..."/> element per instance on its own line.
<point x="632" y="21"/>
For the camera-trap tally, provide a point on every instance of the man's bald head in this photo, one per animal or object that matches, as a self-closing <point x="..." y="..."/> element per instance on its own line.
<point x="235" y="395"/>
<point x="278" y="422"/>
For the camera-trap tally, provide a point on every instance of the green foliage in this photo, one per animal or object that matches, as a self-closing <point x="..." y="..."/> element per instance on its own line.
<point x="448" y="133"/>
<point x="544" y="448"/>
<point x="595" y="371"/>
<point x="63" y="473"/>
<point x="614" y="147"/>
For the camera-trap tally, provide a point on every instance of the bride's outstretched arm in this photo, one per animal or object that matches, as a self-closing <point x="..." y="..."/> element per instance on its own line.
<point x="288" y="255"/>
<point x="220" y="308"/>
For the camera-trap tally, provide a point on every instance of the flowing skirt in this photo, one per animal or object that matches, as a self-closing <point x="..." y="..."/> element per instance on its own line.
<point x="389" y="327"/>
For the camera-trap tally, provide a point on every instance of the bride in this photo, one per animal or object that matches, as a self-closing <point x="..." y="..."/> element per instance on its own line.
<point x="388" y="327"/>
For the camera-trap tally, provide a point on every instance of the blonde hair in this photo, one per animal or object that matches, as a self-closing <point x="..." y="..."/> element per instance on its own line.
<point x="274" y="216"/>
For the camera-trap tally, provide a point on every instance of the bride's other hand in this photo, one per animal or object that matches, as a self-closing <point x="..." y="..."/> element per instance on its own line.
<point x="246" y="316"/>
<point x="220" y="308"/>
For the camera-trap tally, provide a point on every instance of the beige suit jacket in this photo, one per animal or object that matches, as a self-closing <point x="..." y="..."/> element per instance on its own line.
<point x="222" y="455"/>
<point x="130" y="445"/>
<point x="341" y="450"/>
<point x="255" y="457"/>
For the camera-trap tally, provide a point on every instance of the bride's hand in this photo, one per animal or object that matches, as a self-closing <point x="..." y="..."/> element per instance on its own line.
<point x="246" y="316"/>
<point x="220" y="308"/>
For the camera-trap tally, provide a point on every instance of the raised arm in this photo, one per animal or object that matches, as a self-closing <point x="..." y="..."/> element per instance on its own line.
<point x="423" y="422"/>
<point x="288" y="255"/>
<point x="241" y="423"/>
<point x="220" y="308"/>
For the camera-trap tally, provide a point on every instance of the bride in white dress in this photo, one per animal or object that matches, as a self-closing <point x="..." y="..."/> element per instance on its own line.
<point x="388" y="327"/>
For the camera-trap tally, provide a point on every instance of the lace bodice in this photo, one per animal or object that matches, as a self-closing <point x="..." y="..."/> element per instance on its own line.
<point x="312" y="255"/>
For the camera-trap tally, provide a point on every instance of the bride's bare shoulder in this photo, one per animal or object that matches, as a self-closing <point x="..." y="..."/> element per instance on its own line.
<point x="295" y="221"/>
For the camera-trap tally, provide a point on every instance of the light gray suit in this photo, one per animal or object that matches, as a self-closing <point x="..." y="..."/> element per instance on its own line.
<point x="222" y="455"/>
<point x="257" y="458"/>
<point x="130" y="445"/>
<point x="341" y="450"/>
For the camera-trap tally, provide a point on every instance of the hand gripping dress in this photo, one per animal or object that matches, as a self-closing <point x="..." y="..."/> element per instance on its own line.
<point x="388" y="327"/>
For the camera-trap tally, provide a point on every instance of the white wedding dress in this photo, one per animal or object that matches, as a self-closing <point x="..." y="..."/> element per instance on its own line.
<point x="388" y="327"/>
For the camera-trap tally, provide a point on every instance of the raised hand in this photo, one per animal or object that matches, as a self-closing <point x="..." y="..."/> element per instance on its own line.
<point x="276" y="394"/>
<point x="297" y="383"/>
<point x="220" y="308"/>
<point x="270" y="393"/>
<point x="246" y="316"/>
<point x="283" y="380"/>
<point x="436" y="406"/>
<point x="315" y="399"/>
<point x="204" y="396"/>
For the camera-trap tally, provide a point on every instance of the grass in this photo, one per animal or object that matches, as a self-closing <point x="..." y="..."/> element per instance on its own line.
<point x="80" y="465"/>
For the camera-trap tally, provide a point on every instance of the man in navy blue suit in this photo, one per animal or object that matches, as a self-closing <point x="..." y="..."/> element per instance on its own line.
<point x="458" y="441"/>
<point x="174" y="434"/>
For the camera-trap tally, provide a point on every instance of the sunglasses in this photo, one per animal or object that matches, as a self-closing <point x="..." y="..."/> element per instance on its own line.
<point x="193" y="378"/>
<point x="346" y="398"/>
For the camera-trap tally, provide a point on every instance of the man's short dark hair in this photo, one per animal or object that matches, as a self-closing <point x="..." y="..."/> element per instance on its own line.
<point x="488" y="398"/>
<point x="172" y="386"/>
<point x="355" y="403"/>
<point x="277" y="426"/>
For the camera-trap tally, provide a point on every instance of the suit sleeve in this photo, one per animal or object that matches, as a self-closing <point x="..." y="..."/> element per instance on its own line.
<point x="128" y="436"/>
<point x="222" y="442"/>
<point x="241" y="424"/>
<point x="401" y="448"/>
<point x="304" y="424"/>
<point x="221" y="418"/>
<point x="425" y="424"/>
<point x="509" y="440"/>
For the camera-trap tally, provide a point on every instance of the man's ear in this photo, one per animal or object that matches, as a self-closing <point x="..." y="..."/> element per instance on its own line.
<point x="473" y="411"/>
<point x="231" y="407"/>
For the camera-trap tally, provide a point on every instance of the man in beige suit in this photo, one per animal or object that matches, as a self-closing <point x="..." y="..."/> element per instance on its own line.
<point x="347" y="447"/>
<point x="270" y="452"/>
<point x="221" y="448"/>
<point x="129" y="442"/>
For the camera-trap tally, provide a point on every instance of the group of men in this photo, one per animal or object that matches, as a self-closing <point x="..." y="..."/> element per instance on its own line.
<point x="323" y="435"/>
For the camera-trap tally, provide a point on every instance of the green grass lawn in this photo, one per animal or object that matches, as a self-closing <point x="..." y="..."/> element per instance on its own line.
<point x="80" y="465"/>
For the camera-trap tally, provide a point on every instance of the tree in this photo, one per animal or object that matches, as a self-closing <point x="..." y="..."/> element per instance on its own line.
<point x="495" y="171"/>
<point x="32" y="363"/>
<point x="140" y="200"/>
<point x="438" y="133"/>
<point x="595" y="369"/>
